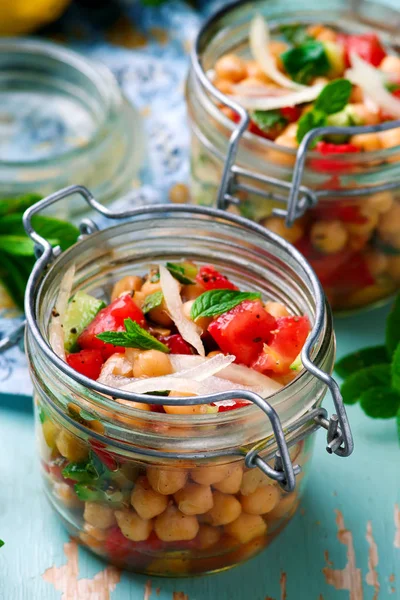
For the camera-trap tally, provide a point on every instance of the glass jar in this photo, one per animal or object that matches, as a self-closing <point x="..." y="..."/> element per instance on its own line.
<point x="360" y="264"/>
<point x="175" y="494"/>
<point x="63" y="119"/>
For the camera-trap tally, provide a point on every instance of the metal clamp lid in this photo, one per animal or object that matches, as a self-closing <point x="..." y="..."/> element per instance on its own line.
<point x="296" y="197"/>
<point x="339" y="437"/>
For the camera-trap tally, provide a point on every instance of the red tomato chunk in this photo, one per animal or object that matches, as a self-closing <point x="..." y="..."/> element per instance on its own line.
<point x="211" y="279"/>
<point x="87" y="362"/>
<point x="110" y="318"/>
<point x="176" y="344"/>
<point x="243" y="331"/>
<point x="366" y="45"/>
<point x="288" y="340"/>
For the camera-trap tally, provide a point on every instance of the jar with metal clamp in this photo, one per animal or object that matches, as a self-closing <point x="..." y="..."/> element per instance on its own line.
<point x="342" y="211"/>
<point x="117" y="475"/>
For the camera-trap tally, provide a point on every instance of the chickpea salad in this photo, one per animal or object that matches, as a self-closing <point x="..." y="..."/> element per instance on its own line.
<point x="181" y="330"/>
<point x="313" y="76"/>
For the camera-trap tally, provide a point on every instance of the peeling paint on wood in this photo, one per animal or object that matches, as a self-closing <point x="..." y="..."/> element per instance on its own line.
<point x="282" y="582"/>
<point x="372" y="577"/>
<point x="349" y="578"/>
<point x="179" y="596"/>
<point x="65" y="578"/>
<point x="327" y="561"/>
<point x="397" y="526"/>
<point x="147" y="590"/>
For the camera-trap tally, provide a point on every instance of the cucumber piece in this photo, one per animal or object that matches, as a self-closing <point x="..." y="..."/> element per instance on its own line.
<point x="297" y="365"/>
<point x="81" y="310"/>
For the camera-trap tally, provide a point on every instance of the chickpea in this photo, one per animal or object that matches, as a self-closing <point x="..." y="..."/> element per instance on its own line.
<point x="281" y="157"/>
<point x="130" y="283"/>
<point x="246" y="528"/>
<point x="232" y="483"/>
<point x="174" y="526"/>
<point x="254" y="71"/>
<point x="202" y="322"/>
<point x="66" y="494"/>
<point x="91" y="542"/>
<point x="394" y="267"/>
<point x="132" y="526"/>
<point x="277" y="225"/>
<point x="98" y="515"/>
<point x="152" y="363"/>
<point x="71" y="447"/>
<point x="286" y="506"/>
<point x="366" y="116"/>
<point x="357" y="95"/>
<point x="95" y="532"/>
<point x="276" y="309"/>
<point x="389" y="222"/>
<point x="139" y="298"/>
<point x="179" y="193"/>
<point x="119" y="364"/>
<point x="211" y="475"/>
<point x="208" y="536"/>
<point x="150" y="287"/>
<point x="194" y="499"/>
<point x="147" y="502"/>
<point x="191" y="292"/>
<point x="377" y="262"/>
<point x="50" y="432"/>
<point x="380" y="202"/>
<point x="181" y="409"/>
<point x="358" y="242"/>
<point x="160" y="315"/>
<point x="369" y="142"/>
<point x="391" y="64"/>
<point x="390" y="138"/>
<point x="224" y="85"/>
<point x="252" y="479"/>
<point x="250" y="82"/>
<point x="166" y="481"/>
<point x="262" y="501"/>
<point x="231" y="67"/>
<point x="328" y="237"/>
<point x="226" y="509"/>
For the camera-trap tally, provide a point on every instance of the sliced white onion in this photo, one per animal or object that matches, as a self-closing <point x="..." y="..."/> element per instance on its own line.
<point x="238" y="374"/>
<point x="188" y="330"/>
<point x="259" y="41"/>
<point x="372" y="82"/>
<point x="308" y="94"/>
<point x="228" y="402"/>
<point x="257" y="91"/>
<point x="161" y="384"/>
<point x="56" y="331"/>
<point x="205" y="368"/>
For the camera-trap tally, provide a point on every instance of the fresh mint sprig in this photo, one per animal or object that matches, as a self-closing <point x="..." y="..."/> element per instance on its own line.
<point x="331" y="100"/>
<point x="152" y="301"/>
<point x="372" y="375"/>
<point x="216" y="302"/>
<point x="134" y="336"/>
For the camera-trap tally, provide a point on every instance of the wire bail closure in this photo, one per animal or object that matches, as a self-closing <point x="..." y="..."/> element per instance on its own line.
<point x="339" y="435"/>
<point x="296" y="198"/>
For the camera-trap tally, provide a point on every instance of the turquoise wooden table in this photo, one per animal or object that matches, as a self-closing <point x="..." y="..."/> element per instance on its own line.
<point x="344" y="544"/>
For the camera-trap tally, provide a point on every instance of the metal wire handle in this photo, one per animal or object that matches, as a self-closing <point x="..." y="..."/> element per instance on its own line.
<point x="299" y="198"/>
<point x="339" y="435"/>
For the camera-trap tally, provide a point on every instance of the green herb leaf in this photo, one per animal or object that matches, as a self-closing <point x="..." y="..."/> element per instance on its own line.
<point x="360" y="359"/>
<point x="295" y="34"/>
<point x="380" y="402"/>
<point x="306" y="61"/>
<point x="178" y="271"/>
<point x="14" y="273"/>
<point x="109" y="495"/>
<point x="363" y="380"/>
<point x="154" y="276"/>
<point x="17" y="245"/>
<point x="398" y="425"/>
<point x="393" y="327"/>
<point x="134" y="337"/>
<point x="392" y="86"/>
<point x="1" y="543"/>
<point x="152" y="301"/>
<point x="19" y="204"/>
<point x="396" y="369"/>
<point x="216" y="302"/>
<point x="310" y="120"/>
<point x="334" y="97"/>
<point x="267" y="119"/>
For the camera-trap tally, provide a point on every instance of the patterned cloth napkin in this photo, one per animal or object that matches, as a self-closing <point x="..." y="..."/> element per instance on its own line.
<point x="147" y="48"/>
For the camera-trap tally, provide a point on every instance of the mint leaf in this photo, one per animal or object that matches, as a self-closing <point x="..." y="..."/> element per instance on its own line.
<point x="393" y="327"/>
<point x="396" y="369"/>
<point x="306" y="61"/>
<point x="380" y="402"/>
<point x="334" y="97"/>
<point x="392" y="86"/>
<point x="16" y="245"/>
<point x="308" y="121"/>
<point x="295" y="34"/>
<point x="266" y="119"/>
<point x="152" y="301"/>
<point x="360" y="359"/>
<point x="1" y="543"/>
<point x="134" y="337"/>
<point x="178" y="272"/>
<point x="398" y="425"/>
<point x="216" y="302"/>
<point x="363" y="380"/>
<point x="19" y="204"/>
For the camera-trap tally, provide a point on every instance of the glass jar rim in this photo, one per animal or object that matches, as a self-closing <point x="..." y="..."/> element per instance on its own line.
<point x="211" y="25"/>
<point x="95" y="73"/>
